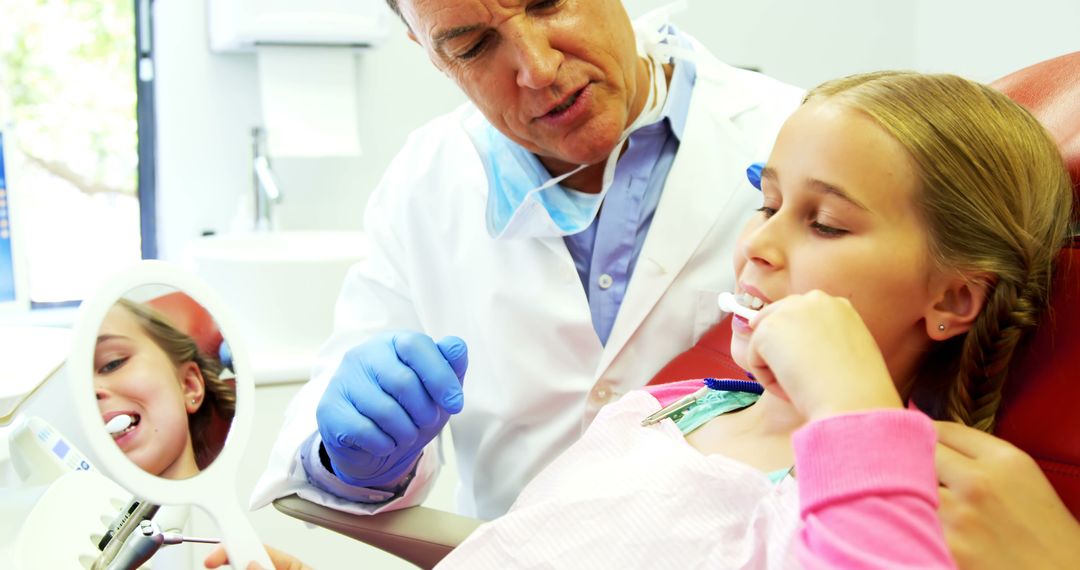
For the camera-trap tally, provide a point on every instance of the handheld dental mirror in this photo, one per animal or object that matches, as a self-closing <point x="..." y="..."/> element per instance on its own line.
<point x="214" y="487"/>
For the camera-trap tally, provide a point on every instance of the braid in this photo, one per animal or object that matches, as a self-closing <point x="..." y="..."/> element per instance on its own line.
<point x="988" y="348"/>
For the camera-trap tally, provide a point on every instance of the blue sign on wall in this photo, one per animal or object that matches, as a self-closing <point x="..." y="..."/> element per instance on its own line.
<point x="7" y="262"/>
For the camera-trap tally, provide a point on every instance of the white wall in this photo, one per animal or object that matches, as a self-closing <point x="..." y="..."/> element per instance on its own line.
<point x="987" y="39"/>
<point x="208" y="103"/>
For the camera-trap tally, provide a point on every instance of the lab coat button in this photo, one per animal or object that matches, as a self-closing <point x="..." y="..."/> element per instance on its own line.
<point x="605" y="281"/>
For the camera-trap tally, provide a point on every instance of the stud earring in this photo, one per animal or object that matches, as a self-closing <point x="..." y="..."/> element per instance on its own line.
<point x="193" y="401"/>
<point x="941" y="327"/>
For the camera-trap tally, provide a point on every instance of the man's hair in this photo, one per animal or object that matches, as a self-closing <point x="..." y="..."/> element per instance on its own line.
<point x="995" y="197"/>
<point x="393" y="4"/>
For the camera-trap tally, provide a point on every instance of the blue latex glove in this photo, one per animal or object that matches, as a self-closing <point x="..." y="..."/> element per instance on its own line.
<point x="388" y="399"/>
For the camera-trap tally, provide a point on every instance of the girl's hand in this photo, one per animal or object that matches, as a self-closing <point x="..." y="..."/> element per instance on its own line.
<point x="815" y="351"/>
<point x="218" y="558"/>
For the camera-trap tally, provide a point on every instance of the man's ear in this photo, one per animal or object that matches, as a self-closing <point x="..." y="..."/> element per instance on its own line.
<point x="192" y="385"/>
<point x="960" y="300"/>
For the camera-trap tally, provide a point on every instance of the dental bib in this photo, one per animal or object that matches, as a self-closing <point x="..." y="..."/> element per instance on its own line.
<point x="627" y="496"/>
<point x="524" y="201"/>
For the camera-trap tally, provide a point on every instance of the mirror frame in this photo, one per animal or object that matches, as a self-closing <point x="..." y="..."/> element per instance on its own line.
<point x="213" y="489"/>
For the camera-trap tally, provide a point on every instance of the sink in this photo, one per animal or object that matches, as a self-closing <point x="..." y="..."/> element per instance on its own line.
<point x="280" y="288"/>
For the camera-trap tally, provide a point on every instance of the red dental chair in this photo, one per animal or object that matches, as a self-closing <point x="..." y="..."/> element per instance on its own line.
<point x="1039" y="414"/>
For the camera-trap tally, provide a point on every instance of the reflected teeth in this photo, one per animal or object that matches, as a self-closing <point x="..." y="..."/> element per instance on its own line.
<point x="122" y="424"/>
<point x="750" y="301"/>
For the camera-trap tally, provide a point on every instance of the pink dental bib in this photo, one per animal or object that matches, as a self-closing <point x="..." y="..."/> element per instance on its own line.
<point x="627" y="496"/>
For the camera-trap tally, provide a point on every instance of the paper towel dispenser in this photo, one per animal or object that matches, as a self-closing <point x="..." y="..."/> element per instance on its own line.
<point x="241" y="25"/>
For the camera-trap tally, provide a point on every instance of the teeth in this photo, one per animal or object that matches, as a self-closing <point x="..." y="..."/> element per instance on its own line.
<point x="750" y="301"/>
<point x="565" y="105"/>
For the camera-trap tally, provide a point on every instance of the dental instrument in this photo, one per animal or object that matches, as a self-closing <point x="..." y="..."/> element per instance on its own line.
<point x="674" y="407"/>
<point x="728" y="303"/>
<point x="145" y="541"/>
<point x="710" y="384"/>
<point x="119" y="424"/>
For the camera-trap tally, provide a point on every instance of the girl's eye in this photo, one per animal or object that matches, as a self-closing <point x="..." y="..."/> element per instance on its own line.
<point x="767" y="211"/>
<point x="827" y="231"/>
<point x="112" y="365"/>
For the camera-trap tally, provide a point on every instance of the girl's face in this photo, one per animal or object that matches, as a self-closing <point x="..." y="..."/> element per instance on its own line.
<point x="134" y="376"/>
<point x="839" y="215"/>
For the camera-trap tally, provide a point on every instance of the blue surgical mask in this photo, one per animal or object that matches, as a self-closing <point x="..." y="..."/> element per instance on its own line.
<point x="524" y="201"/>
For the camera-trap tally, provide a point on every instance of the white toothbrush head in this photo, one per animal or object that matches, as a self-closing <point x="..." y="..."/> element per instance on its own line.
<point x="727" y="303"/>
<point x="119" y="423"/>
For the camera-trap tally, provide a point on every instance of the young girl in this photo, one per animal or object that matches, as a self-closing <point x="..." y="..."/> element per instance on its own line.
<point x="904" y="246"/>
<point x="147" y="370"/>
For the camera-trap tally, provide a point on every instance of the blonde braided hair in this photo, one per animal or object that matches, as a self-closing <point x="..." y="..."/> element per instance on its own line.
<point x="996" y="199"/>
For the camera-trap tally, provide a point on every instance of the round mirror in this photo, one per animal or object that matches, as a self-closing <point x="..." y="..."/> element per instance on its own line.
<point x="163" y="381"/>
<point x="163" y="392"/>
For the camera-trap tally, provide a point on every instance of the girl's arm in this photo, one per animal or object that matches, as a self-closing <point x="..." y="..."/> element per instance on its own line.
<point x="869" y="492"/>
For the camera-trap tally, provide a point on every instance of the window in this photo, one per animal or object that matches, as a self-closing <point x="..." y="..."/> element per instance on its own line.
<point x="75" y="113"/>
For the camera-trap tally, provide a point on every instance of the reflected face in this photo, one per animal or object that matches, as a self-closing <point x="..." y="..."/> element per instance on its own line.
<point x="840" y="215"/>
<point x="562" y="78"/>
<point x="134" y="376"/>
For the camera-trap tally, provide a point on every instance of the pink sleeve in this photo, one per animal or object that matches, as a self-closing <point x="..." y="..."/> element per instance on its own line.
<point x="868" y="492"/>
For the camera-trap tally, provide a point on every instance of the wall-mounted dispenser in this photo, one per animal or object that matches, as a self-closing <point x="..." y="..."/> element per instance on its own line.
<point x="241" y="25"/>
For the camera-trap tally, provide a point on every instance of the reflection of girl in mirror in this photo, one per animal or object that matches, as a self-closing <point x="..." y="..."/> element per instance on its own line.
<point x="144" y="367"/>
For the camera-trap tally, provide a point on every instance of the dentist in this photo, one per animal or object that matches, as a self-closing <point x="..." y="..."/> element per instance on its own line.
<point x="568" y="224"/>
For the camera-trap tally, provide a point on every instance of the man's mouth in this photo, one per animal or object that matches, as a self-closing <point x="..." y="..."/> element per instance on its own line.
<point x="562" y="107"/>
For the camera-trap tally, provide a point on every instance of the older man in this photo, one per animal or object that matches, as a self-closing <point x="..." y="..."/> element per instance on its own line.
<point x="488" y="226"/>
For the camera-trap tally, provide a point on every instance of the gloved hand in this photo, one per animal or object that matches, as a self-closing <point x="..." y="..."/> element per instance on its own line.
<point x="389" y="397"/>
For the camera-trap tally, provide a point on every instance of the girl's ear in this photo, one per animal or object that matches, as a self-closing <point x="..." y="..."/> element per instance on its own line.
<point x="192" y="385"/>
<point x="960" y="301"/>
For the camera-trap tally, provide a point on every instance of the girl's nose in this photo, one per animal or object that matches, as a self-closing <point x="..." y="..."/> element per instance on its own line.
<point x="762" y="243"/>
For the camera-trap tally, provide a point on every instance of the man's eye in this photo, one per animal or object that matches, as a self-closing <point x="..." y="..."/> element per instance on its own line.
<point x="476" y="50"/>
<point x="544" y="4"/>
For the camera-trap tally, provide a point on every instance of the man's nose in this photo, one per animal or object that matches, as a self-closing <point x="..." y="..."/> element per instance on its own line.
<point x="537" y="62"/>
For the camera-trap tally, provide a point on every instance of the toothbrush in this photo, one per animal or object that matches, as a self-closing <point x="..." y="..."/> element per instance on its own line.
<point x="728" y="303"/>
<point x="119" y="423"/>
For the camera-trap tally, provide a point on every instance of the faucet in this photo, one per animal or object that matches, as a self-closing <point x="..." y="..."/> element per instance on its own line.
<point x="267" y="193"/>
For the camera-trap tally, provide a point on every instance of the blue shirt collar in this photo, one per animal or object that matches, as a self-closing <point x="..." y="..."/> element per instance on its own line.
<point x="683" y="77"/>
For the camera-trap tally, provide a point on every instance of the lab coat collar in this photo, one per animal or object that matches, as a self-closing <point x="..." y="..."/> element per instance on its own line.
<point x="698" y="189"/>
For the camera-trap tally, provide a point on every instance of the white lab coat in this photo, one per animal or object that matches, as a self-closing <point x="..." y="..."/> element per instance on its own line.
<point x="537" y="371"/>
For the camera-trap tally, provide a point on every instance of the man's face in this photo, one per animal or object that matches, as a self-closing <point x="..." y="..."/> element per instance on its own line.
<point x="559" y="77"/>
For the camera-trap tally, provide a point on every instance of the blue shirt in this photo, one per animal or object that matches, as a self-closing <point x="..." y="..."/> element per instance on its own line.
<point x="607" y="251"/>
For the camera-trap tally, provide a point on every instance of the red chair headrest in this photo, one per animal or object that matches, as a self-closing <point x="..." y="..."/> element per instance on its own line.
<point x="190" y="317"/>
<point x="1038" y="412"/>
<point x="1051" y="91"/>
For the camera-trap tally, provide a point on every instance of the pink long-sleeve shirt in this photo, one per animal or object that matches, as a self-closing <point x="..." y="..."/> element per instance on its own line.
<point x="865" y="496"/>
<point x="867" y="489"/>
<point x="868" y="492"/>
